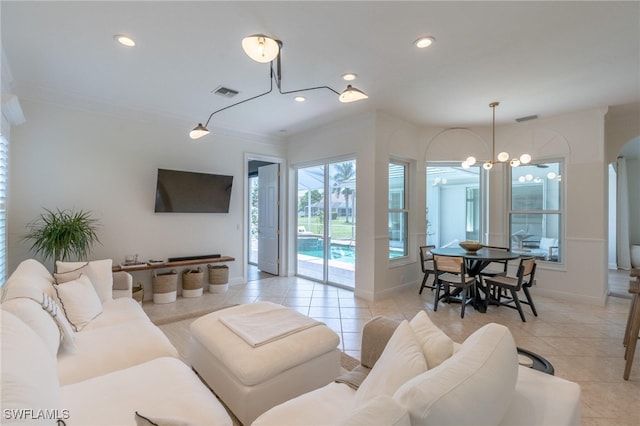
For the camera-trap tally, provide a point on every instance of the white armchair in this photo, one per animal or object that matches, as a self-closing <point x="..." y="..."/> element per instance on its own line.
<point x="548" y="248"/>
<point x="122" y="284"/>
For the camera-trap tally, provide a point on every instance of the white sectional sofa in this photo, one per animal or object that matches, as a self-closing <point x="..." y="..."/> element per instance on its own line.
<point x="421" y="377"/>
<point x="106" y="364"/>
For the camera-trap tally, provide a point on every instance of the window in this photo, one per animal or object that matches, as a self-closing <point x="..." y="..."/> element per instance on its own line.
<point x="253" y="220"/>
<point x="4" y="159"/>
<point x="454" y="204"/>
<point x="536" y="214"/>
<point x="398" y="209"/>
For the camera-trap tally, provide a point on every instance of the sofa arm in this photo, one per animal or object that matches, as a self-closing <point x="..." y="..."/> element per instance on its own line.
<point x="375" y="335"/>
<point x="122" y="284"/>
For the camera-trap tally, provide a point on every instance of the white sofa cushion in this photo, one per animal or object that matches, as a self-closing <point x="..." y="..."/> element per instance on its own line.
<point x="29" y="275"/>
<point x="475" y="386"/>
<point x="546" y="400"/>
<point x="99" y="272"/>
<point x="117" y="311"/>
<point x="324" y="406"/>
<point x="31" y="313"/>
<point x="79" y="301"/>
<point x="142" y="420"/>
<point x="160" y="388"/>
<point x="29" y="379"/>
<point x="401" y="360"/>
<point x="68" y="335"/>
<point x="381" y="410"/>
<point x="106" y="349"/>
<point x="436" y="346"/>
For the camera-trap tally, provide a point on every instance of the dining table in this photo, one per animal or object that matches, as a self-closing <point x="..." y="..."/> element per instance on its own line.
<point x="475" y="262"/>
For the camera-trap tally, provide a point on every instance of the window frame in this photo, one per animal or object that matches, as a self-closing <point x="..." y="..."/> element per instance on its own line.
<point x="560" y="211"/>
<point x="482" y="200"/>
<point x="4" y="183"/>
<point x="403" y="211"/>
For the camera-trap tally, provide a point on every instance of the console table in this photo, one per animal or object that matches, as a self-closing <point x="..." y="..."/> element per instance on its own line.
<point x="149" y="266"/>
<point x="538" y="362"/>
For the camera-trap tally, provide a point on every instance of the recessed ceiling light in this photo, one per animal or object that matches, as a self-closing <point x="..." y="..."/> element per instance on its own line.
<point x="124" y="40"/>
<point x="350" y="76"/>
<point x="423" y="42"/>
<point x="299" y="99"/>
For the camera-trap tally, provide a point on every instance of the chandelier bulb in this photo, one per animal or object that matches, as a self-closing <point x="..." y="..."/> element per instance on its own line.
<point x="525" y="159"/>
<point x="471" y="160"/>
<point x="487" y="166"/>
<point x="514" y="162"/>
<point x="503" y="156"/>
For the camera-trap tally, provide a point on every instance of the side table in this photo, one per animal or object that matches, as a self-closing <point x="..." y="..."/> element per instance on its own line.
<point x="538" y="363"/>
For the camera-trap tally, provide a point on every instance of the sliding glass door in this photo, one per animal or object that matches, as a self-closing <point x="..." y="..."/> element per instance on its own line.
<point x="326" y="228"/>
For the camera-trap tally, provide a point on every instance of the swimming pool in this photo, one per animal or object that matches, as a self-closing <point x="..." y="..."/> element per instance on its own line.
<point x="341" y="252"/>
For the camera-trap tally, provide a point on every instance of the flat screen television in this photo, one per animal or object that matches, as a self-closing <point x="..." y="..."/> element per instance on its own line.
<point x="190" y="192"/>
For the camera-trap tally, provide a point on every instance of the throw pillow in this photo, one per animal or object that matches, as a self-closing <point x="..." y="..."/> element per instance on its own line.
<point x="98" y="271"/>
<point x="436" y="345"/>
<point x="401" y="360"/>
<point x="355" y="377"/>
<point x="483" y="372"/>
<point x="79" y="301"/>
<point x="148" y="421"/>
<point x="31" y="313"/>
<point x="381" y="410"/>
<point x="29" y="379"/>
<point x="68" y="336"/>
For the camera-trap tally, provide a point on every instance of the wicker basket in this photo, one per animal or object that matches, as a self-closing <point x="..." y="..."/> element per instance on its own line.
<point x="218" y="278"/>
<point x="165" y="286"/>
<point x="137" y="292"/>
<point x="192" y="282"/>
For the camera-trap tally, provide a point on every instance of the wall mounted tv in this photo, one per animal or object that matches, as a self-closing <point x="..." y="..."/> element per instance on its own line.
<point x="191" y="192"/>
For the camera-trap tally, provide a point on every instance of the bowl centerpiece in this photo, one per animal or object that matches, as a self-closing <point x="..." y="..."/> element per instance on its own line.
<point x="471" y="246"/>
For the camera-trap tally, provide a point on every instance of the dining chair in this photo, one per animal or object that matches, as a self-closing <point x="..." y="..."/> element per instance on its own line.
<point x="426" y="263"/>
<point x="523" y="280"/>
<point x="495" y="268"/>
<point x="451" y="271"/>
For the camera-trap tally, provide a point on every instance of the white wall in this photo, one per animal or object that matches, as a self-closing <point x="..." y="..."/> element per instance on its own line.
<point x="66" y="158"/>
<point x="633" y="178"/>
<point x="352" y="137"/>
<point x="372" y="139"/>
<point x="577" y="138"/>
<point x="622" y="128"/>
<point x="398" y="139"/>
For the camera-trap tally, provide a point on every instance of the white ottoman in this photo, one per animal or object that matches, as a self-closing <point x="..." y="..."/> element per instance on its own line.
<point x="251" y="380"/>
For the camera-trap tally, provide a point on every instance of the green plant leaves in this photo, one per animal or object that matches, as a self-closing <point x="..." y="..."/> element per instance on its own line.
<point x="63" y="234"/>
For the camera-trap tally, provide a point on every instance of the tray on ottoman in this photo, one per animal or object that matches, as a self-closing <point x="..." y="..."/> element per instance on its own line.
<point x="252" y="379"/>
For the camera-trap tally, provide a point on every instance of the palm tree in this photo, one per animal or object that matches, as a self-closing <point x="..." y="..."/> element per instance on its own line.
<point x="345" y="173"/>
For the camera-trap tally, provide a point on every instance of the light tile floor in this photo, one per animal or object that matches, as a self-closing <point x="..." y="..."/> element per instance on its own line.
<point x="583" y="342"/>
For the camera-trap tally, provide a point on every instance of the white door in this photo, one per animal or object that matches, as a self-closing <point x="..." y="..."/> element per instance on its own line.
<point x="268" y="231"/>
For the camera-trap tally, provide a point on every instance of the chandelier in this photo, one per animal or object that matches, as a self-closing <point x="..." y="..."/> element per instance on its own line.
<point x="264" y="49"/>
<point x="502" y="156"/>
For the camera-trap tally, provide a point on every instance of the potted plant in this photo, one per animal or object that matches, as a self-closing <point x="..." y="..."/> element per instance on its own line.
<point x="60" y="234"/>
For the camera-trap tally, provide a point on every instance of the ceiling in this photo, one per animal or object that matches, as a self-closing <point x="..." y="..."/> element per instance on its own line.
<point x="544" y="58"/>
